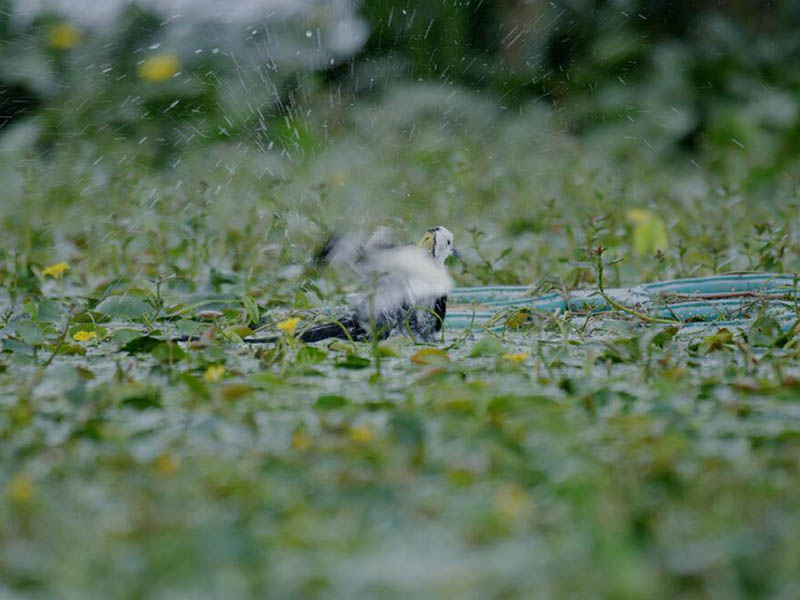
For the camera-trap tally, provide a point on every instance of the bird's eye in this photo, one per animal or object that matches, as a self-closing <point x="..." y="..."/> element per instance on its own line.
<point x="449" y="242"/>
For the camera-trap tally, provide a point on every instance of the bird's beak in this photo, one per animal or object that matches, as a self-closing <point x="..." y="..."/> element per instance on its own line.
<point x="456" y="254"/>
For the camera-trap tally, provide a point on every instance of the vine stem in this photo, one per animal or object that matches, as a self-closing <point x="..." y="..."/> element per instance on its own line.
<point x="621" y="307"/>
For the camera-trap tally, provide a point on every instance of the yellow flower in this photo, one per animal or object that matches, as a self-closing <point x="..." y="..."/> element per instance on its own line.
<point x="64" y="36"/>
<point x="649" y="231"/>
<point x="214" y="373"/>
<point x="511" y="502"/>
<point x="84" y="336"/>
<point x="301" y="440"/>
<point x="361" y="434"/>
<point x="159" y="68"/>
<point x="56" y="271"/>
<point x="517" y="358"/>
<point x="289" y="325"/>
<point x="21" y="489"/>
<point x="167" y="464"/>
<point x="637" y="215"/>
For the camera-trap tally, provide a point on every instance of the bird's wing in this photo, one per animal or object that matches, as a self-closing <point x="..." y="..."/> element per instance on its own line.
<point x="406" y="276"/>
<point x="392" y="277"/>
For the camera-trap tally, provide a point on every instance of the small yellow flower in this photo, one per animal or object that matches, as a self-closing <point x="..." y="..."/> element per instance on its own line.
<point x="518" y="358"/>
<point x="361" y="434"/>
<point x="166" y="463"/>
<point x="21" y="489"/>
<point x="289" y="325"/>
<point x="649" y="231"/>
<point x="56" y="270"/>
<point x="214" y="373"/>
<point x="637" y="215"/>
<point x="64" y="36"/>
<point x="511" y="502"/>
<point x="84" y="336"/>
<point x="159" y="68"/>
<point x="301" y="440"/>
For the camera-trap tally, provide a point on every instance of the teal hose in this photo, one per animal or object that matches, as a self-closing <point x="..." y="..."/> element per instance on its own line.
<point x="730" y="300"/>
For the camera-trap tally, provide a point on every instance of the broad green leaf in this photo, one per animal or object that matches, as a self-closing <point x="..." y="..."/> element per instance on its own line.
<point x="30" y="332"/>
<point x="168" y="352"/>
<point x="352" y="361"/>
<point x="764" y="331"/>
<point x="331" y="402"/>
<point x="50" y="311"/>
<point x="310" y="355"/>
<point x="487" y="346"/>
<point x="124" y="307"/>
<point x="144" y="343"/>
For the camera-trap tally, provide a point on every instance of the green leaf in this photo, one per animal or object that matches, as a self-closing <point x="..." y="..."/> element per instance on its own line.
<point x="231" y="334"/>
<point x="50" y="311"/>
<point x="168" y="352"/>
<point x="431" y="356"/>
<point x="764" y="331"/>
<point x="68" y="349"/>
<point x="138" y="396"/>
<point x="144" y="343"/>
<point x="487" y="346"/>
<point x="17" y="346"/>
<point x="124" y="307"/>
<point x="662" y="337"/>
<point x="123" y="336"/>
<point x="196" y="385"/>
<point x="716" y="341"/>
<point x="310" y="355"/>
<point x="331" y="402"/>
<point x="251" y="308"/>
<point x="29" y="332"/>
<point x="353" y="361"/>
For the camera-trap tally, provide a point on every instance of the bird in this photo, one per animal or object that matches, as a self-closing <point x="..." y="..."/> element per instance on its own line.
<point x="407" y="286"/>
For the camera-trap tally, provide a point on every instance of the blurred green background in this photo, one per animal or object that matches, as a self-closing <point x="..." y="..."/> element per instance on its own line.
<point x="682" y="80"/>
<point x="479" y="114"/>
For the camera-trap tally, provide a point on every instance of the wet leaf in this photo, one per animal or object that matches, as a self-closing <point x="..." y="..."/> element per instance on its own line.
<point x="251" y="309"/>
<point x="143" y="343"/>
<point x="168" y="352"/>
<point x="124" y="308"/>
<point x="765" y="331"/>
<point x="311" y="355"/>
<point x="29" y="332"/>
<point x="331" y="402"/>
<point x="487" y="346"/>
<point x="352" y="361"/>
<point x="232" y="391"/>
<point x="430" y="356"/>
<point x="50" y="311"/>
<point x="715" y="341"/>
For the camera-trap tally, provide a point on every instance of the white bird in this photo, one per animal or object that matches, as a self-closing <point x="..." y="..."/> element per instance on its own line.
<point x="408" y="286"/>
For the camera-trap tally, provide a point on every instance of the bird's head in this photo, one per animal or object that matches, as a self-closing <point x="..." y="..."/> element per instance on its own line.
<point x="438" y="242"/>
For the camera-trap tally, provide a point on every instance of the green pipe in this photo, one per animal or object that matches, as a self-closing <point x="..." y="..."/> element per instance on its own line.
<point x="648" y="298"/>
